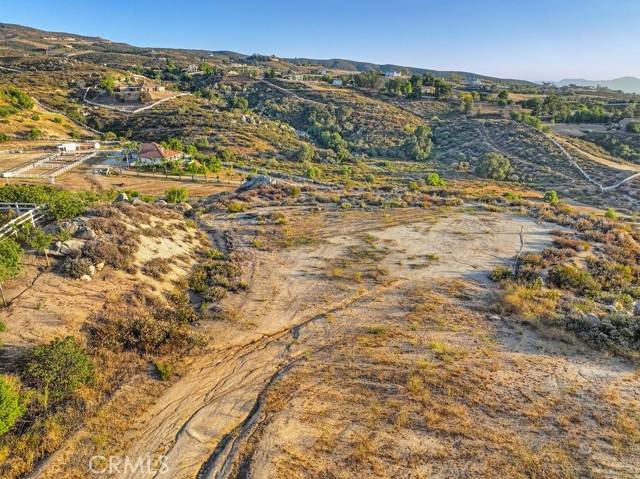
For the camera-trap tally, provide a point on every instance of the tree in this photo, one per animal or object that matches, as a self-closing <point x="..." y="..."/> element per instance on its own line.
<point x="418" y="145"/>
<point x="176" y="195"/>
<point x="442" y="88"/>
<point x="633" y="127"/>
<point x="12" y="406"/>
<point x="503" y="95"/>
<point x="467" y="101"/>
<point x="35" y="133"/>
<point x="305" y="152"/>
<point x="58" y="369"/>
<point x="37" y="239"/>
<point x="551" y="197"/>
<point x="240" y="103"/>
<point x="493" y="165"/>
<point x="206" y="68"/>
<point x="108" y="82"/>
<point x="173" y="144"/>
<point x="10" y="262"/>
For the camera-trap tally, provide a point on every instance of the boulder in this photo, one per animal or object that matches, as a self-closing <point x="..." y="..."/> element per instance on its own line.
<point x="122" y="197"/>
<point x="256" y="182"/>
<point x="100" y="266"/>
<point x="161" y="203"/>
<point x="86" y="233"/>
<point x="137" y="201"/>
<point x="72" y="247"/>
<point x="92" y="270"/>
<point x="182" y="207"/>
<point x="86" y="278"/>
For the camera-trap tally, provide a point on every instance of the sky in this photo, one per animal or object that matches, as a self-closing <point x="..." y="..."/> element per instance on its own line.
<point x="539" y="40"/>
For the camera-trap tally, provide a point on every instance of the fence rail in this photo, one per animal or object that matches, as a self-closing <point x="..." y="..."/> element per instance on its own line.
<point x="33" y="214"/>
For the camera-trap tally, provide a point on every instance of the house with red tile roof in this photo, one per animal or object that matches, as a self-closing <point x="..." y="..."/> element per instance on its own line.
<point x="156" y="154"/>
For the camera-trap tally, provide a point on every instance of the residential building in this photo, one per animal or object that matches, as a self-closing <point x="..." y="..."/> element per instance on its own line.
<point x="336" y="82"/>
<point x="156" y="154"/>
<point x="67" y="147"/>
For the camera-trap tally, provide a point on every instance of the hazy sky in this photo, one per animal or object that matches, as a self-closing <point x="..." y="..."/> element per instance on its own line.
<point x="539" y="40"/>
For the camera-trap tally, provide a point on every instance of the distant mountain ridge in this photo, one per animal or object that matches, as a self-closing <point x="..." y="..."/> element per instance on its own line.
<point x="19" y="39"/>
<point x="357" y="66"/>
<point x="626" y="84"/>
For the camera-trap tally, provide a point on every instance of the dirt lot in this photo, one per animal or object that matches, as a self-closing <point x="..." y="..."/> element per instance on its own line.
<point x="372" y="350"/>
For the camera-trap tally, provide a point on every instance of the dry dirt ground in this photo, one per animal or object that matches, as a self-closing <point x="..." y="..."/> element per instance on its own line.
<point x="372" y="350"/>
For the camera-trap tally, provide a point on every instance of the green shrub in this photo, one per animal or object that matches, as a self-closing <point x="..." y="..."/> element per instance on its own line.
<point x="236" y="207"/>
<point x="62" y="204"/>
<point x="176" y="195"/>
<point x="572" y="278"/>
<point x="164" y="369"/>
<point x="434" y="179"/>
<point x="551" y="197"/>
<point x="35" y="133"/>
<point x="501" y="273"/>
<point x="10" y="262"/>
<point x="12" y="405"/>
<point x="633" y="127"/>
<point x="58" y="369"/>
<point x="493" y="165"/>
<point x="611" y="214"/>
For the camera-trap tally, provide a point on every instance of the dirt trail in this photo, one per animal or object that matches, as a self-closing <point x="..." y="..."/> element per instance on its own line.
<point x="192" y="424"/>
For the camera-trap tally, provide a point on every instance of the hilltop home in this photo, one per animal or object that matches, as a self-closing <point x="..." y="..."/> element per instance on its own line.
<point x="155" y="154"/>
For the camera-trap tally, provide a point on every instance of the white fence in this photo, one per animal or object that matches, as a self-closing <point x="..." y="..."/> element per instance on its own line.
<point x="27" y="213"/>
<point x="18" y="171"/>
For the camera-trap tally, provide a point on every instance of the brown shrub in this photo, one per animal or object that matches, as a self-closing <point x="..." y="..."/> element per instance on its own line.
<point x="156" y="267"/>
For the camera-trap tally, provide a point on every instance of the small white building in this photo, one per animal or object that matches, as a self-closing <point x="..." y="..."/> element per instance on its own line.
<point x="336" y="82"/>
<point x="67" y="147"/>
<point x="393" y="74"/>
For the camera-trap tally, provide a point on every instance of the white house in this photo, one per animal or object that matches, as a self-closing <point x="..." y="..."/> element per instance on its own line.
<point x="67" y="147"/>
<point x="336" y="82"/>
<point x="393" y="74"/>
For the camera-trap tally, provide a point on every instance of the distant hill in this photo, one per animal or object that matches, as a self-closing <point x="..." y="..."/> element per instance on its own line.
<point x="20" y="41"/>
<point x="356" y="66"/>
<point x="626" y="84"/>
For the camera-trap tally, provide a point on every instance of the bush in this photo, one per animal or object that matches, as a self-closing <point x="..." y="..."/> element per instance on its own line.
<point x="76" y="267"/>
<point x="164" y="369"/>
<point x="62" y="204"/>
<point x="611" y="214"/>
<point x="551" y="197"/>
<point x="12" y="406"/>
<point x="434" y="179"/>
<point x="572" y="278"/>
<point x="501" y="273"/>
<point x="493" y="165"/>
<point x="156" y="267"/>
<point x="633" y="127"/>
<point x="236" y="207"/>
<point x="176" y="195"/>
<point x="10" y="262"/>
<point x="58" y="369"/>
<point x="145" y="324"/>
